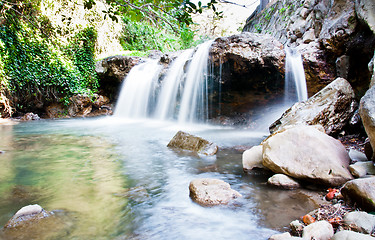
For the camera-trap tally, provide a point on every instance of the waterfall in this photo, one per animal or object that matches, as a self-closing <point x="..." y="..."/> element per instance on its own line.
<point x="181" y="95"/>
<point x="295" y="81"/>
<point x="136" y="96"/>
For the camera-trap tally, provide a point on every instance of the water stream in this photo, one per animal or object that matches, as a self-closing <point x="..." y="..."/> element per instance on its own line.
<point x="114" y="177"/>
<point x="111" y="178"/>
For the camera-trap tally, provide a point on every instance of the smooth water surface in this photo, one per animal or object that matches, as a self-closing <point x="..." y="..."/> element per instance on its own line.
<point x="111" y="178"/>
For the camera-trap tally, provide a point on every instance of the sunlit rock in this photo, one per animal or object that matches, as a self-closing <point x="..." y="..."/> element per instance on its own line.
<point x="303" y="152"/>
<point x="361" y="169"/>
<point x="283" y="181"/>
<point x="186" y="141"/>
<point x="321" y="230"/>
<point x="210" y="192"/>
<point x="283" y="236"/>
<point x="350" y="235"/>
<point x="26" y="215"/>
<point x="362" y="220"/>
<point x="332" y="107"/>
<point x="252" y="158"/>
<point x="360" y="192"/>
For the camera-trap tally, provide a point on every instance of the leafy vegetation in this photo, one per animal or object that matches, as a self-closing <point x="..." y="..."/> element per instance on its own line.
<point x="37" y="69"/>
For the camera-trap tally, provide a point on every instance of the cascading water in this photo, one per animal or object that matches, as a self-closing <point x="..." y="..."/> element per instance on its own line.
<point x="136" y="95"/>
<point x="183" y="94"/>
<point x="295" y="81"/>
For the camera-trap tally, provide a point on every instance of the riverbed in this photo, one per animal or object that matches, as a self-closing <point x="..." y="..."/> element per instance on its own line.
<point x="111" y="178"/>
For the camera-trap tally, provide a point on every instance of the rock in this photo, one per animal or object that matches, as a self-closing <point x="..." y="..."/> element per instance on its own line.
<point x="189" y="142"/>
<point x="350" y="235"/>
<point x="367" y="112"/>
<point x="27" y="214"/>
<point x="251" y="69"/>
<point x="116" y="66"/>
<point x="321" y="230"/>
<point x="332" y="107"/>
<point x="309" y="36"/>
<point x="362" y="220"/>
<point x="81" y="105"/>
<point x="252" y="158"/>
<point x="361" y="169"/>
<point x="361" y="192"/>
<point x="56" y="110"/>
<point x="210" y="192"/>
<point x="296" y="227"/>
<point x="283" y="181"/>
<point x="365" y="10"/>
<point x="303" y="152"/>
<point x="342" y="66"/>
<point x="29" y="117"/>
<point x="357" y="156"/>
<point x="100" y="100"/>
<point x="283" y="236"/>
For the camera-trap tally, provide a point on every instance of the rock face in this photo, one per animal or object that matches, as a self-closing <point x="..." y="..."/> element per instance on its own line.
<point x="112" y="71"/>
<point x="332" y="107"/>
<point x="367" y="112"/>
<point x="250" y="69"/>
<point x="210" y="192"/>
<point x="306" y="153"/>
<point x="342" y="30"/>
<point x="27" y="214"/>
<point x="362" y="192"/>
<point x="189" y="142"/>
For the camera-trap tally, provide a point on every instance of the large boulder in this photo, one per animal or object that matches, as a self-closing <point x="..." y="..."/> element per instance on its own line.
<point x="186" y="141"/>
<point x="366" y="12"/>
<point x="350" y="235"/>
<point x="304" y="152"/>
<point x="332" y="107"/>
<point x="361" y="192"/>
<point x="367" y="112"/>
<point x="210" y="192"/>
<point x="361" y="220"/>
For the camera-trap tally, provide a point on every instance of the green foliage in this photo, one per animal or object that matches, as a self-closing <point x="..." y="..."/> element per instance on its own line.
<point x="37" y="70"/>
<point x="143" y="36"/>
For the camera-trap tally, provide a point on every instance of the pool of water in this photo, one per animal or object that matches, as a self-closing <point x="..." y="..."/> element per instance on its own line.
<point x="109" y="178"/>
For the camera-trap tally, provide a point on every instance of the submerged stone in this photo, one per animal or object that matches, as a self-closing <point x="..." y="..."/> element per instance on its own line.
<point x="27" y="214"/>
<point x="210" y="192"/>
<point x="193" y="143"/>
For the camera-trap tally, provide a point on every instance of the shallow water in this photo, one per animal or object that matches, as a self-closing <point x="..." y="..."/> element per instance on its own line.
<point x="111" y="178"/>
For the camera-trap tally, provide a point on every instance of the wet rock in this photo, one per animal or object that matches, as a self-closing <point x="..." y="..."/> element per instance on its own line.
<point x="210" y="192"/>
<point x="361" y="169"/>
<point x="303" y="152"/>
<point x="361" y="192"/>
<point x="283" y="181"/>
<point x="362" y="220"/>
<point x="332" y="107"/>
<point x="190" y="142"/>
<point x="283" y="236"/>
<point x="26" y="215"/>
<point x="367" y="112"/>
<point x="252" y="158"/>
<point x="350" y="235"/>
<point x="321" y="230"/>
<point x="30" y="117"/>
